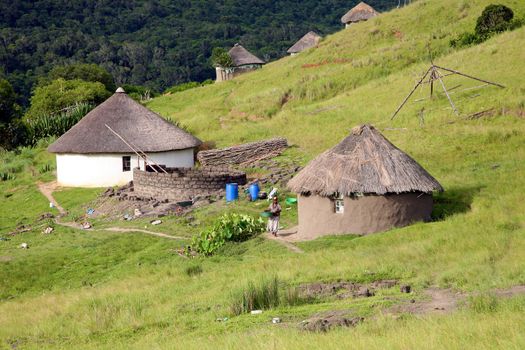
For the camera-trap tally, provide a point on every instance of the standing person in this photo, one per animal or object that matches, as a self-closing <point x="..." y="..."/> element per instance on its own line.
<point x="273" y="220"/>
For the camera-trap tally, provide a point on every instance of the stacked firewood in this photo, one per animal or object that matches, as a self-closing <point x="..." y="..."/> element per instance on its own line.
<point x="243" y="154"/>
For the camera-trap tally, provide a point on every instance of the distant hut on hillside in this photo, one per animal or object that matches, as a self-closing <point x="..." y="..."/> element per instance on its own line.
<point x="309" y="40"/>
<point x="243" y="61"/>
<point x="91" y="155"/>
<point x="363" y="185"/>
<point x="361" y="12"/>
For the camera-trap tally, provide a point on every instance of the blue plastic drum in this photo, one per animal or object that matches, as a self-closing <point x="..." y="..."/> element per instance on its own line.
<point x="254" y="191"/>
<point x="232" y="192"/>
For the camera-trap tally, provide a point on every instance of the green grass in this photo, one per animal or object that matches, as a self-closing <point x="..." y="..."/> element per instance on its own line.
<point x="99" y="290"/>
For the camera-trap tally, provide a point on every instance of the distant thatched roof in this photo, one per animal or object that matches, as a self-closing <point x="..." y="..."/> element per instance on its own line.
<point x="309" y="40"/>
<point x="134" y="122"/>
<point x="364" y="162"/>
<point x="361" y="12"/>
<point x="240" y="56"/>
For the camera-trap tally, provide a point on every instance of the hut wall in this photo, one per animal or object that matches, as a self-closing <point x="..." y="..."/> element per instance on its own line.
<point x="183" y="183"/>
<point x="362" y="215"/>
<point x="102" y="170"/>
<point x="223" y="74"/>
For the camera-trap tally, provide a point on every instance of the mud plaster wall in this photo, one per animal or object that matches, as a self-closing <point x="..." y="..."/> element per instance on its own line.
<point x="184" y="183"/>
<point x="362" y="215"/>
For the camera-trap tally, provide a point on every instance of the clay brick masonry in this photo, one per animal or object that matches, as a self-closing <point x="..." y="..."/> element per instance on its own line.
<point x="184" y="183"/>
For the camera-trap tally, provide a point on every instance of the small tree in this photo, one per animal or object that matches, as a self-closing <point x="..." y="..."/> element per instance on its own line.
<point x="221" y="58"/>
<point x="494" y="19"/>
<point x="60" y="93"/>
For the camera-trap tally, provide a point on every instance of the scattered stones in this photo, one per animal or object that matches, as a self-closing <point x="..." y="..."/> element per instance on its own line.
<point x="405" y="288"/>
<point x="46" y="216"/>
<point x="47" y="230"/>
<point x="330" y="320"/>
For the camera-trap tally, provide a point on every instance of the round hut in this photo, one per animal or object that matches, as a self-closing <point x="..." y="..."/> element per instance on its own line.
<point x="100" y="150"/>
<point x="361" y="12"/>
<point x="243" y="61"/>
<point x="363" y="185"/>
<point x="309" y="40"/>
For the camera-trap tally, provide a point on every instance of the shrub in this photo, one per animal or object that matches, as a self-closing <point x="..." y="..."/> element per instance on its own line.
<point x="229" y="227"/>
<point x="494" y="19"/>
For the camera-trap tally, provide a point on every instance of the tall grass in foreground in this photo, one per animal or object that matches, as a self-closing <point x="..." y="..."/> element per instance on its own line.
<point x="267" y="293"/>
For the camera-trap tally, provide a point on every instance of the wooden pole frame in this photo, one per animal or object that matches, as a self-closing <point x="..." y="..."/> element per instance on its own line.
<point x="435" y="74"/>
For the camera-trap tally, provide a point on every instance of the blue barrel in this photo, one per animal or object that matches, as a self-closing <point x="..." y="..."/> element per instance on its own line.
<point x="232" y="192"/>
<point x="254" y="191"/>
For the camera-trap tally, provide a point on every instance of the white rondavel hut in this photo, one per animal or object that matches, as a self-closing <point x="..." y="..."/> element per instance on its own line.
<point x="92" y="155"/>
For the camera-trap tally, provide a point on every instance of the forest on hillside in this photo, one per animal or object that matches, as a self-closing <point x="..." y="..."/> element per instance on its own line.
<point x="154" y="43"/>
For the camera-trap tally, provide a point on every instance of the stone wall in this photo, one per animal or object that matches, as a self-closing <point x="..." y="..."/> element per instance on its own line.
<point x="184" y="183"/>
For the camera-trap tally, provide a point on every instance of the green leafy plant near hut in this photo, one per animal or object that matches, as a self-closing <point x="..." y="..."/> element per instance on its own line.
<point x="229" y="227"/>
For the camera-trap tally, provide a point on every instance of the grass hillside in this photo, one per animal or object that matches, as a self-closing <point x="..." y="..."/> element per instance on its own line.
<point x="99" y="290"/>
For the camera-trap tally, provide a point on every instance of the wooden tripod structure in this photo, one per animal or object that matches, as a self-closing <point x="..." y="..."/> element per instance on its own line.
<point x="434" y="74"/>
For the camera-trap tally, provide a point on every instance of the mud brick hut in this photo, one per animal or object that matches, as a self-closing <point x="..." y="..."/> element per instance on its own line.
<point x="243" y="61"/>
<point x="361" y="12"/>
<point x="92" y="155"/>
<point x="363" y="185"/>
<point x="309" y="40"/>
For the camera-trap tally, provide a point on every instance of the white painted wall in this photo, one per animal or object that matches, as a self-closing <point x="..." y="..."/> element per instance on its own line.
<point x="102" y="170"/>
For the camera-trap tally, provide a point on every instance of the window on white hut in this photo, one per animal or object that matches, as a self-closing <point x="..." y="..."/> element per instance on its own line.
<point x="126" y="163"/>
<point x="339" y="203"/>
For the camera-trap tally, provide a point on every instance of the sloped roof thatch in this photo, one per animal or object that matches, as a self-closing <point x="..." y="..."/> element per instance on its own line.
<point x="135" y="123"/>
<point x="364" y="162"/>
<point x="240" y="56"/>
<point x="309" y="40"/>
<point x="361" y="12"/>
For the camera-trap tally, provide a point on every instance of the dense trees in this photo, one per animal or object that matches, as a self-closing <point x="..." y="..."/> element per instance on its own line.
<point x="155" y="43"/>
<point x="8" y="107"/>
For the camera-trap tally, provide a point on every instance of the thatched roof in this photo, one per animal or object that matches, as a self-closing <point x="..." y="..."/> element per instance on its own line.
<point x="240" y="56"/>
<point x="364" y="162"/>
<point x="361" y="12"/>
<point x="309" y="40"/>
<point x="134" y="122"/>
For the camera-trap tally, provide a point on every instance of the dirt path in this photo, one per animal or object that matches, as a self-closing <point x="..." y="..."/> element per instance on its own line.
<point x="281" y="240"/>
<point x="47" y="190"/>
<point x="130" y="230"/>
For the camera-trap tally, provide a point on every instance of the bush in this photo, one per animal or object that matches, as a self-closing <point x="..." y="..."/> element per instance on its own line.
<point x="493" y="19"/>
<point x="229" y="227"/>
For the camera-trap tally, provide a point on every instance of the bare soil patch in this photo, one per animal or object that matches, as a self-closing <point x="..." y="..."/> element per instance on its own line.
<point x="326" y="321"/>
<point x="343" y="290"/>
